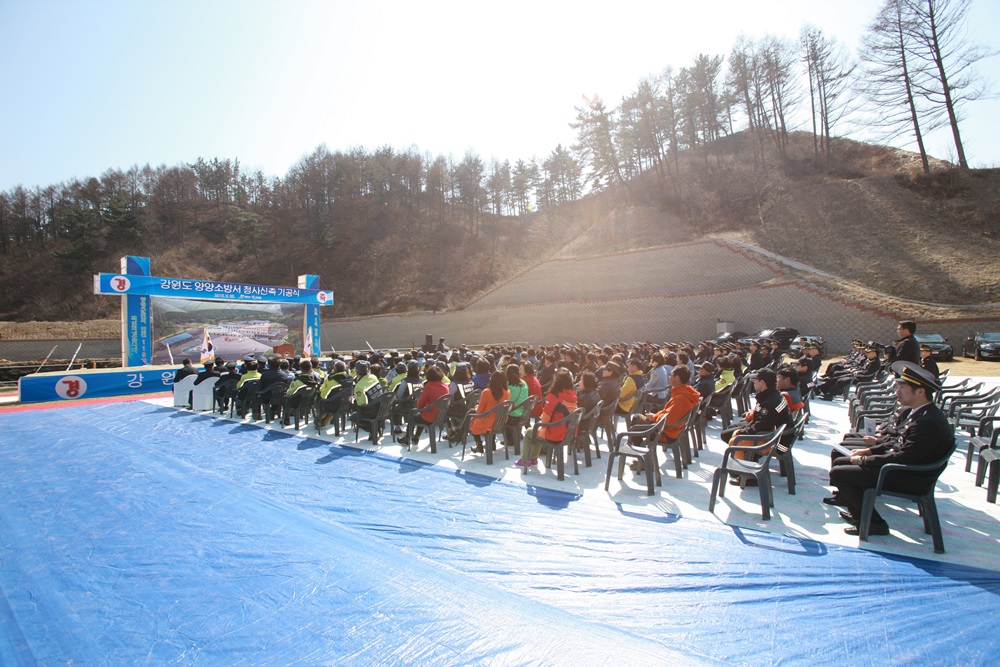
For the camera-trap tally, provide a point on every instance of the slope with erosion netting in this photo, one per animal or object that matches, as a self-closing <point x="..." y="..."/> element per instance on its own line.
<point x="689" y="268"/>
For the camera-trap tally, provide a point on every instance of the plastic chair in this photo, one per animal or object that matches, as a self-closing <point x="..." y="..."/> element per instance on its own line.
<point x="224" y="394"/>
<point x="403" y="405"/>
<point x="978" y="442"/>
<point x="515" y="429"/>
<point x="606" y="422"/>
<point x="726" y="405"/>
<point x="303" y="409"/>
<point x="585" y="433"/>
<point x="182" y="391"/>
<point x="925" y="502"/>
<point x="637" y="407"/>
<point x="274" y="394"/>
<point x="244" y="399"/>
<point x="376" y="423"/>
<point x="459" y="409"/>
<point x="679" y="446"/>
<point x="443" y="404"/>
<point x="572" y="422"/>
<point x="745" y="468"/>
<point x="203" y="395"/>
<point x="499" y="412"/>
<point x="989" y="460"/>
<point x="644" y="449"/>
<point x="345" y="410"/>
<point x="700" y="424"/>
<point x="783" y="453"/>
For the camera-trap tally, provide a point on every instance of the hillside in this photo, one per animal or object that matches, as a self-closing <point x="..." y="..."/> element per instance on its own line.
<point x="864" y="215"/>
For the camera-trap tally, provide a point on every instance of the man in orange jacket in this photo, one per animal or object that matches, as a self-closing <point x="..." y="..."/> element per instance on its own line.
<point x="683" y="399"/>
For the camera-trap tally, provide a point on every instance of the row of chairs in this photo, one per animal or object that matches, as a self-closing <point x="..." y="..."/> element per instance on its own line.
<point x="968" y="408"/>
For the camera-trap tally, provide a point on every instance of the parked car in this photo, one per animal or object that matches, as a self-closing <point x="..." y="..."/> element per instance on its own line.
<point x="783" y="335"/>
<point x="985" y="345"/>
<point x="940" y="349"/>
<point x="796" y="347"/>
<point x="730" y="337"/>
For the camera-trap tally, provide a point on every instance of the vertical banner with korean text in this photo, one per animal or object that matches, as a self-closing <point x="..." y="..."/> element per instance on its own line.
<point x="311" y="321"/>
<point x="137" y="330"/>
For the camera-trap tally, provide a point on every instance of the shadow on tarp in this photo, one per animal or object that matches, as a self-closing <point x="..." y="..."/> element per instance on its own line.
<point x="475" y="479"/>
<point x="552" y="498"/>
<point x="310" y="443"/>
<point x="669" y="517"/>
<point x="273" y="436"/>
<point x="983" y="579"/>
<point x="760" y="539"/>
<point x="338" y="452"/>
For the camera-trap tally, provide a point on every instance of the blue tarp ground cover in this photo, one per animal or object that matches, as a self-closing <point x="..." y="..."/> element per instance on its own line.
<point x="137" y="534"/>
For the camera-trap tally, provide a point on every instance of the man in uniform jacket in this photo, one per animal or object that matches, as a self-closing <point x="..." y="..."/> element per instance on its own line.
<point x="926" y="437"/>
<point x="927" y="361"/>
<point x="209" y="372"/>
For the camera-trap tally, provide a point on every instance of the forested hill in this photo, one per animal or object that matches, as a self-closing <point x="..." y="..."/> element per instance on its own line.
<point x="393" y="231"/>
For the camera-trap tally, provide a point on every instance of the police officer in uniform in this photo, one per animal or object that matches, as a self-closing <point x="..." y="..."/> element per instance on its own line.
<point x="926" y="437"/>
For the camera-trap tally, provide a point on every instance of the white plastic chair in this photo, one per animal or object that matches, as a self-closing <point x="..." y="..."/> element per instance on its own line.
<point x="182" y="391"/>
<point x="203" y="396"/>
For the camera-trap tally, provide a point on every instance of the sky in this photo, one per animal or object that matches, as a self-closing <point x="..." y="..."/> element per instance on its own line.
<point x="90" y="85"/>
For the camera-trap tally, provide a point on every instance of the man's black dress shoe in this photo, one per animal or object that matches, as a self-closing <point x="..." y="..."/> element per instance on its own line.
<point x="849" y="518"/>
<point x="873" y="529"/>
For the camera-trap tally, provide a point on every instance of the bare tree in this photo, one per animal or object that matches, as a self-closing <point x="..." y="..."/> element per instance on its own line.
<point x="940" y="45"/>
<point x="893" y="78"/>
<point x="830" y="75"/>
<point x="777" y="90"/>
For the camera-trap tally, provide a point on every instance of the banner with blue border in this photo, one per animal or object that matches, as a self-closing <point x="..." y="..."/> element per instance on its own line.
<point x="122" y="284"/>
<point x="97" y="383"/>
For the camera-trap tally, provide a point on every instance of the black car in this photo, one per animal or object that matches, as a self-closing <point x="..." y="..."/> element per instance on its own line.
<point x="796" y="347"/>
<point x="982" y="346"/>
<point x="783" y="335"/>
<point x="940" y="349"/>
<point x="730" y="337"/>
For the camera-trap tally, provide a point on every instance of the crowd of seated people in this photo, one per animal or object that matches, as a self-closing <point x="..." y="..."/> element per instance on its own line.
<point x="670" y="380"/>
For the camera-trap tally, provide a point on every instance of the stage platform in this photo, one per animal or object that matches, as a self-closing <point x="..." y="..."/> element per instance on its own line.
<point x="136" y="533"/>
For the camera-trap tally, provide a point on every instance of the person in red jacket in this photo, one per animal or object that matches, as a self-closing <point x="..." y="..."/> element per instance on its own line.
<point x="560" y="402"/>
<point x="683" y="399"/>
<point x="434" y="389"/>
<point x="534" y="387"/>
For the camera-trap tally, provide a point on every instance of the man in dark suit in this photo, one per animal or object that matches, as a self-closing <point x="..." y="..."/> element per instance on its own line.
<point x="186" y="369"/>
<point x="908" y="349"/>
<point x="926" y="437"/>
